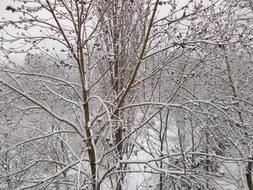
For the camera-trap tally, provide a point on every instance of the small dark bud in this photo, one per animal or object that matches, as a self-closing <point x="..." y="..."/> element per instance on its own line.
<point x="10" y="8"/>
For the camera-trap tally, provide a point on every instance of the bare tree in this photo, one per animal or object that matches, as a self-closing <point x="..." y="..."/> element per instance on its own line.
<point x="113" y="90"/>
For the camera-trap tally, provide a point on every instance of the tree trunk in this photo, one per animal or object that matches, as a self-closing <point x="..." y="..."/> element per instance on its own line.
<point x="248" y="174"/>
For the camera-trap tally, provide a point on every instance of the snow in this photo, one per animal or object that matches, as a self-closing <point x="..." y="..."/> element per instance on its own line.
<point x="144" y="179"/>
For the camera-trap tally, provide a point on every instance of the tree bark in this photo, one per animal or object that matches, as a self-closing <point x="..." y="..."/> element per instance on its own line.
<point x="248" y="174"/>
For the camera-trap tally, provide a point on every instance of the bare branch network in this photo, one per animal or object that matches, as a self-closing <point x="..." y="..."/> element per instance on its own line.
<point x="126" y="95"/>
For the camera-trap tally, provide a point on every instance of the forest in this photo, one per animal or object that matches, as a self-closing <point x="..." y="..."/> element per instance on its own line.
<point x="126" y="95"/>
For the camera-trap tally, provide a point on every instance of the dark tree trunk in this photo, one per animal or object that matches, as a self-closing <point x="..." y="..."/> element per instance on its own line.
<point x="248" y="174"/>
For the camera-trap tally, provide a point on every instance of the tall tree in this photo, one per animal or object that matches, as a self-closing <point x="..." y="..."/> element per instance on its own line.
<point x="117" y="89"/>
